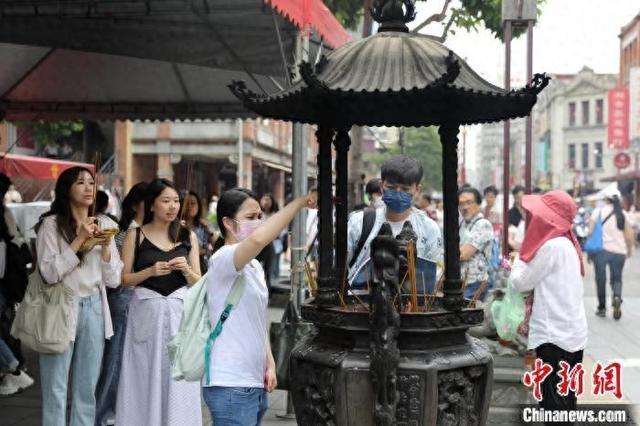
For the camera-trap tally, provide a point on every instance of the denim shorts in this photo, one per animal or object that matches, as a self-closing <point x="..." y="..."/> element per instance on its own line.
<point x="235" y="406"/>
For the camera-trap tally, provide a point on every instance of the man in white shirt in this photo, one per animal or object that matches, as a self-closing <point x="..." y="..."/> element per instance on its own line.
<point x="400" y="183"/>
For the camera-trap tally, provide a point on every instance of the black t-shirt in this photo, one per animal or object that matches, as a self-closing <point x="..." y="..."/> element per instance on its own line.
<point x="148" y="254"/>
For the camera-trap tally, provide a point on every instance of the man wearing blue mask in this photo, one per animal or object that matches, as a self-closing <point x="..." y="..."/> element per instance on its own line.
<point x="400" y="183"/>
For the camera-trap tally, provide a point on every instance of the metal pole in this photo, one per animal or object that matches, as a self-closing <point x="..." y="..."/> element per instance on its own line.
<point x="506" y="143"/>
<point x="299" y="177"/>
<point x="528" y="130"/>
<point x="452" y="289"/>
<point x="298" y="227"/>
<point x="240" y="177"/>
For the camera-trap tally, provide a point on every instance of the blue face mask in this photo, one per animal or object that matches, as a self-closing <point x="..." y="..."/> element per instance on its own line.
<point x="397" y="201"/>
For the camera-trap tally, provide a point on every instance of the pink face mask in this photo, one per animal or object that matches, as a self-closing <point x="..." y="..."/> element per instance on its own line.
<point x="246" y="228"/>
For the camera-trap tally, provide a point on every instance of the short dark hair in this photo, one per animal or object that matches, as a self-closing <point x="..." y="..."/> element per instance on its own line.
<point x="102" y="201"/>
<point x="373" y="187"/>
<point x="426" y="196"/>
<point x="471" y="190"/>
<point x="5" y="183"/>
<point x="516" y="189"/>
<point x="490" y="189"/>
<point x="402" y="169"/>
<point x="537" y="190"/>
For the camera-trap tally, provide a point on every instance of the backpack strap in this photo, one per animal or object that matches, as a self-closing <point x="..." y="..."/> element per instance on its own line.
<point x="608" y="217"/>
<point x="368" y="220"/>
<point x="232" y="300"/>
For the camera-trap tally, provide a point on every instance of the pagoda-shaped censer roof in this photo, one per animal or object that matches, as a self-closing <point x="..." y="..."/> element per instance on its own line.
<point x="393" y="78"/>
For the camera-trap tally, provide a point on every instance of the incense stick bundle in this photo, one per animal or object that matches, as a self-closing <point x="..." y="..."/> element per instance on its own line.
<point x="310" y="279"/>
<point x="411" y="271"/>
<point x="436" y="290"/>
<point x="466" y="278"/>
<point x="477" y="294"/>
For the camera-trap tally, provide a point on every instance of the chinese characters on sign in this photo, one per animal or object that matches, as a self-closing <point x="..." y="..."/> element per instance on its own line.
<point x="634" y="103"/>
<point x="618" y="131"/>
<point x="605" y="379"/>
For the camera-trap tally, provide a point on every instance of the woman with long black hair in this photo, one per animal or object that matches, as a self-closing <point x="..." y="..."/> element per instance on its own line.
<point x="160" y="260"/>
<point x="199" y="225"/>
<point x="63" y="258"/>
<point x="617" y="244"/>
<point x="132" y="217"/>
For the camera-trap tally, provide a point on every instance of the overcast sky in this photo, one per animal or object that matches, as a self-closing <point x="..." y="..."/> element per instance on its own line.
<point x="569" y="35"/>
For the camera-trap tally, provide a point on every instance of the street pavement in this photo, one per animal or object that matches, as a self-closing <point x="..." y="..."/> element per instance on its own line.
<point x="609" y="341"/>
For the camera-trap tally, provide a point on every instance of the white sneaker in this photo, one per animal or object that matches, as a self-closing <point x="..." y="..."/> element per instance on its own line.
<point x="7" y="387"/>
<point x="21" y="381"/>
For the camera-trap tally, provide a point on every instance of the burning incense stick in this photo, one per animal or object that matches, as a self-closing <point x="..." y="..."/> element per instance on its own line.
<point x="411" y="271"/>
<point x="436" y="290"/>
<point x="344" y="281"/>
<point x="96" y="167"/>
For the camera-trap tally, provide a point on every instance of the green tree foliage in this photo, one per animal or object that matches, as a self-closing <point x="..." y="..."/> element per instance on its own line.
<point x="473" y="14"/>
<point x="469" y="15"/>
<point x="51" y="132"/>
<point x="423" y="144"/>
<point x="348" y="12"/>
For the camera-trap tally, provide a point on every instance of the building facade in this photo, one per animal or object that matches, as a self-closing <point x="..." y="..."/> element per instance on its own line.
<point x="570" y="132"/>
<point x="629" y="49"/>
<point x="254" y="154"/>
<point x="489" y="156"/>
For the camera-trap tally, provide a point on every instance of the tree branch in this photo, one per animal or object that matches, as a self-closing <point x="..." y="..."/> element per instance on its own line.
<point x="445" y="32"/>
<point x="436" y="17"/>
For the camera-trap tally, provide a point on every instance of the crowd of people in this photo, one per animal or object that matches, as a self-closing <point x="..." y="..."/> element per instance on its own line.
<point x="128" y="287"/>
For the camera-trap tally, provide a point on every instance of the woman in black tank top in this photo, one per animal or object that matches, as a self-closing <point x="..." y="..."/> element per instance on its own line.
<point x="160" y="260"/>
<point x="147" y="256"/>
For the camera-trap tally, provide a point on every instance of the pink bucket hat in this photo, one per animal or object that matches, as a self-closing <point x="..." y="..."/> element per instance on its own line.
<point x="555" y="207"/>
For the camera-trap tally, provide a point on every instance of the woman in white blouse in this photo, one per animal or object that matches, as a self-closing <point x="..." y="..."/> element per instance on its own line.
<point x="61" y="233"/>
<point x="551" y="265"/>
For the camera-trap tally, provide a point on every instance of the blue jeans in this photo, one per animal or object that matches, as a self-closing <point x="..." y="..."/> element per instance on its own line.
<point x="236" y="406"/>
<point x="471" y="289"/>
<point x="8" y="361"/>
<point x="615" y="261"/>
<point x="108" y="383"/>
<point x="84" y="356"/>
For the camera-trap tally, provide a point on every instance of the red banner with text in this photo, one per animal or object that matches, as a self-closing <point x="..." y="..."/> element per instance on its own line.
<point x="618" y="131"/>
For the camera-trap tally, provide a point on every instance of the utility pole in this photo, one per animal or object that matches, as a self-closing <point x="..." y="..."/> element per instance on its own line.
<point x="298" y="227"/>
<point x="515" y="13"/>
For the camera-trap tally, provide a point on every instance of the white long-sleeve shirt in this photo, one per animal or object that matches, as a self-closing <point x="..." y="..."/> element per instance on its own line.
<point x="58" y="262"/>
<point x="558" y="308"/>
